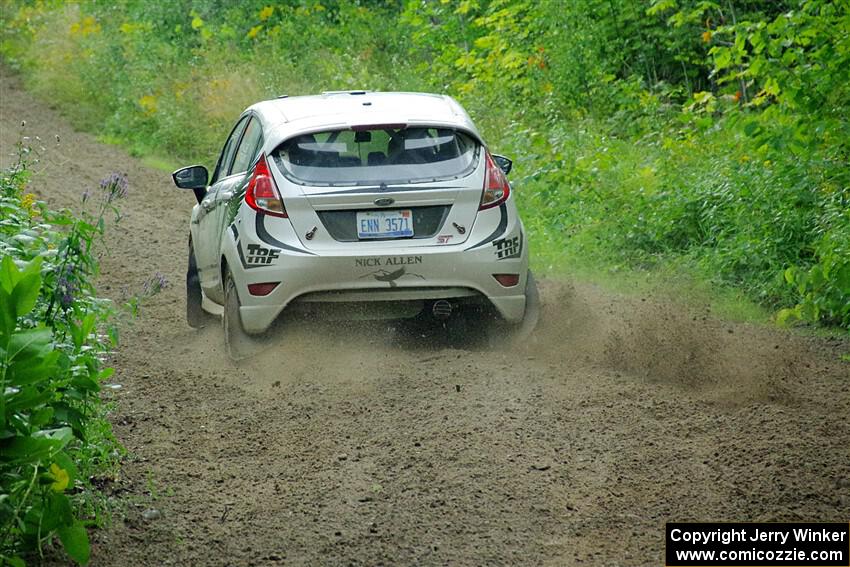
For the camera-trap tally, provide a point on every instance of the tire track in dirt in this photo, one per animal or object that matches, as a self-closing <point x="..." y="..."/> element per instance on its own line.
<point x="346" y="446"/>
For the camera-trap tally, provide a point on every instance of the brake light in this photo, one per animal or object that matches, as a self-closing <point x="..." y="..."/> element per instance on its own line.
<point x="262" y="195"/>
<point x="367" y="127"/>
<point x="496" y="188"/>
<point x="262" y="288"/>
<point x="507" y="280"/>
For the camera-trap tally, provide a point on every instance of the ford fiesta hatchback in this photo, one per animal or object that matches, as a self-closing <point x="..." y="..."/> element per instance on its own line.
<point x="388" y="202"/>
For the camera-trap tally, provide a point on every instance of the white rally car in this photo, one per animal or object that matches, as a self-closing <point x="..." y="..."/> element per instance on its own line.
<point x="389" y="202"/>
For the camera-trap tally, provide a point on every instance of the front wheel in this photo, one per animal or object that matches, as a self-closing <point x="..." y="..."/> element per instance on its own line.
<point x="236" y="341"/>
<point x="195" y="314"/>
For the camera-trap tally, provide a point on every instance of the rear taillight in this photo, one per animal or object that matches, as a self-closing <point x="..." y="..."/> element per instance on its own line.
<point x="262" y="194"/>
<point x="507" y="280"/>
<point x="496" y="188"/>
<point x="262" y="288"/>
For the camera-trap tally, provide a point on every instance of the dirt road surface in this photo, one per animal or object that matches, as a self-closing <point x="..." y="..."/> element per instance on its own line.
<point x="345" y="446"/>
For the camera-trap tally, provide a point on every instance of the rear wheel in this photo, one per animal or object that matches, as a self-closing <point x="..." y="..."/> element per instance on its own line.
<point x="463" y="328"/>
<point x="532" y="310"/>
<point x="236" y="341"/>
<point x="480" y="326"/>
<point x="195" y="314"/>
<point x="502" y="334"/>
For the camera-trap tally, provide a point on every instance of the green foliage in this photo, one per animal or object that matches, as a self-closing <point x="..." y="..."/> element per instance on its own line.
<point x="796" y="65"/>
<point x="824" y="288"/>
<point x="36" y="469"/>
<point x="704" y="136"/>
<point x="54" y="435"/>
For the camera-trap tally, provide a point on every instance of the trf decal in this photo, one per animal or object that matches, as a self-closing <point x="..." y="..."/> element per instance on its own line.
<point x="259" y="255"/>
<point x="508" y="247"/>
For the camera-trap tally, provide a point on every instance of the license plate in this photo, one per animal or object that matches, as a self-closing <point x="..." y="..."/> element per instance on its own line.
<point x="385" y="224"/>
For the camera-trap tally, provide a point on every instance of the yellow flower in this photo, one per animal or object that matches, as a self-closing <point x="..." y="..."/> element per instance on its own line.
<point x="706" y="36"/>
<point x="60" y="478"/>
<point x="130" y="27"/>
<point x="266" y="13"/>
<point x="148" y="104"/>
<point x="252" y="33"/>
<point x="86" y="26"/>
<point x="28" y="204"/>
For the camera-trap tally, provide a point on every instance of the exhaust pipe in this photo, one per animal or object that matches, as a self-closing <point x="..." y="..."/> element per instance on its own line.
<point x="441" y="309"/>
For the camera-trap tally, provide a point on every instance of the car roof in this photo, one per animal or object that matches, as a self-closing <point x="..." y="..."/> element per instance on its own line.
<point x="286" y="117"/>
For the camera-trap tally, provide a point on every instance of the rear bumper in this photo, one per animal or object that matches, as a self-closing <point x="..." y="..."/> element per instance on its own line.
<point x="409" y="273"/>
<point x="258" y="318"/>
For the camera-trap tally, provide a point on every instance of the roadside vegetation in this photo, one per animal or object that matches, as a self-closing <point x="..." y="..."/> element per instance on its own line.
<point x="703" y="139"/>
<point x="53" y="432"/>
<point x="57" y="451"/>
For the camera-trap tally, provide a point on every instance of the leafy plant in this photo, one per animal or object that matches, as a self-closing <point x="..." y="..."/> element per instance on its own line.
<point x="54" y="436"/>
<point x="35" y="422"/>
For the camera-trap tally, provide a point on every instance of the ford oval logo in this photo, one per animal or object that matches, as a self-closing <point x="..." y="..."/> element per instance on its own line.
<point x="384" y="202"/>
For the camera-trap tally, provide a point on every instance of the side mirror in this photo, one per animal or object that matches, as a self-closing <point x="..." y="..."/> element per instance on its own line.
<point x="504" y="163"/>
<point x="194" y="177"/>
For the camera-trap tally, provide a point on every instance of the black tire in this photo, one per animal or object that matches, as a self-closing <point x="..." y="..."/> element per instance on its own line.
<point x="237" y="342"/>
<point x="532" y="310"/>
<point x="195" y="314"/>
<point x="506" y="334"/>
<point x="482" y="327"/>
<point x="471" y="328"/>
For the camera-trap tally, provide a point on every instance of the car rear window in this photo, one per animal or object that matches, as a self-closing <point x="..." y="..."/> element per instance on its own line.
<point x="378" y="155"/>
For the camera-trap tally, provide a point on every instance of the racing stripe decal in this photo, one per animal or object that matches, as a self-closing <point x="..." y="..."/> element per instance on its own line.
<point x="500" y="230"/>
<point x="242" y="258"/>
<point x="235" y="232"/>
<point x="257" y="255"/>
<point x="263" y="234"/>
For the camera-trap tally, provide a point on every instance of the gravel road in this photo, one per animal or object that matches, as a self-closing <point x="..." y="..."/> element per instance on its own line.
<point x="354" y="446"/>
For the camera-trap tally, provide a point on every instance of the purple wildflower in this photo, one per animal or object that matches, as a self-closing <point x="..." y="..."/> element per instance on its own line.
<point x="66" y="287"/>
<point x="155" y="284"/>
<point x="114" y="186"/>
